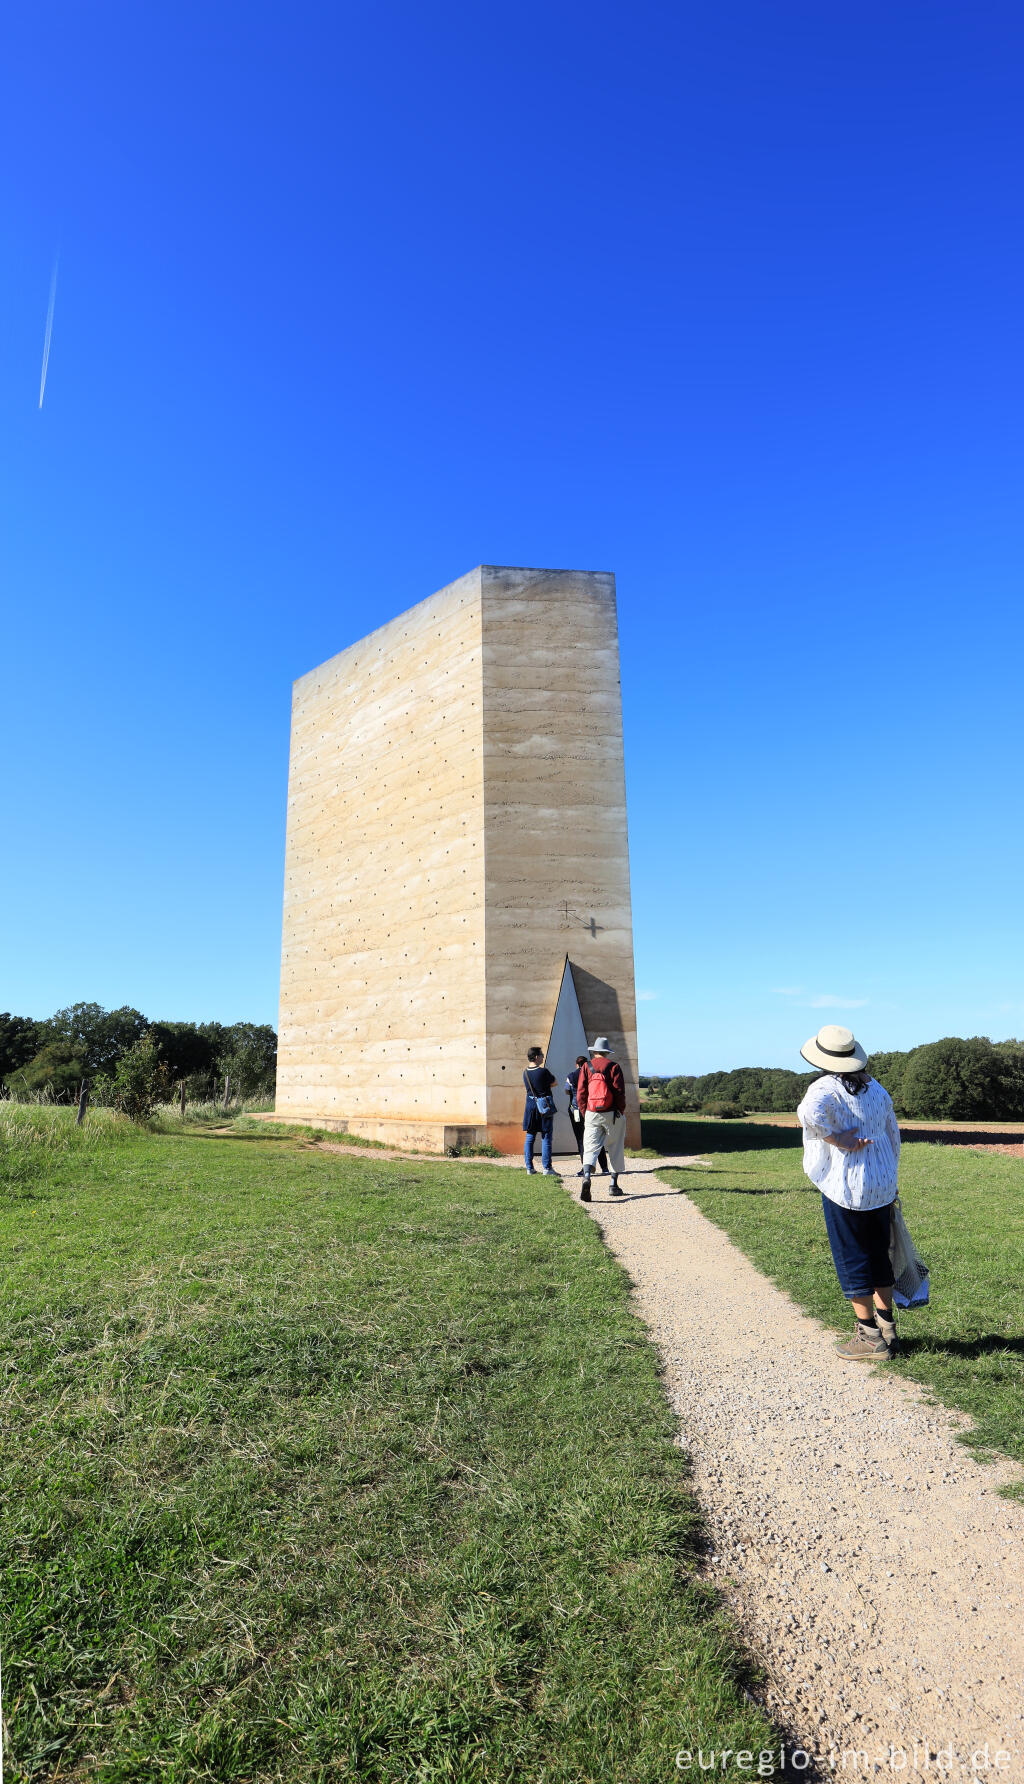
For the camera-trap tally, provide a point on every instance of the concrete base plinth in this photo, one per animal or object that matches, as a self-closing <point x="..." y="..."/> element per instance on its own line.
<point x="419" y="1136"/>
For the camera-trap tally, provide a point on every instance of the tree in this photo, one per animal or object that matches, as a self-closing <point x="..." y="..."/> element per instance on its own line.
<point x="671" y="1096"/>
<point x="1011" y="1054"/>
<point x="954" y="1080"/>
<point x="889" y="1069"/>
<point x="249" y="1054"/>
<point x="100" y="1036"/>
<point x="185" y="1050"/>
<point x="20" y="1041"/>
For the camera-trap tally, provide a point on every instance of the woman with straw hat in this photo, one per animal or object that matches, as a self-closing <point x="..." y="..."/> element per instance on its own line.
<point x="852" y="1153"/>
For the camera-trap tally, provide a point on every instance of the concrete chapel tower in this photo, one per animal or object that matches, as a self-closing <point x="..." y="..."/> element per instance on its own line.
<point x="457" y="872"/>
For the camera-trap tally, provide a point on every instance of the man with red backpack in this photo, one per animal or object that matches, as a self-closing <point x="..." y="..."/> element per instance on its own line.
<point x="601" y="1096"/>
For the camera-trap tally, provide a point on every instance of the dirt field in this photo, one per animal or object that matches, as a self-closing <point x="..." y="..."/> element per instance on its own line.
<point x="997" y="1136"/>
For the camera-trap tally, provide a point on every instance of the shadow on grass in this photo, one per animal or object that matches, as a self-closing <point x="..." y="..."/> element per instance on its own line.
<point x="669" y="1134"/>
<point x="991" y="1345"/>
<point x="307" y="1138"/>
<point x="946" y="1136"/>
<point x="707" y="1177"/>
<point x="202" y="1133"/>
<point x="743" y="1189"/>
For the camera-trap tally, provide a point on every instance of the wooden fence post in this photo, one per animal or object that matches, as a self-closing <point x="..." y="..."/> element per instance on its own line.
<point x="182" y="1099"/>
<point x="227" y="1088"/>
<point x="83" y="1103"/>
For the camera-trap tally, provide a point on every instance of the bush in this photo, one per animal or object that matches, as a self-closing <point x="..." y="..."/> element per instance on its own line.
<point x="723" y="1111"/>
<point x="200" y="1087"/>
<point x="140" y="1080"/>
<point x="54" y="1075"/>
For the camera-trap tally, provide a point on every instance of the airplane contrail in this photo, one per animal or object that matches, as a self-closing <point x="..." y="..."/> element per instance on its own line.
<point x="49" y="332"/>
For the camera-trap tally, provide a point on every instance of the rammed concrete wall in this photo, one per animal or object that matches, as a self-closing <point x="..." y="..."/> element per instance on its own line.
<point x="556" y="848"/>
<point x="456" y="825"/>
<point x="382" y="976"/>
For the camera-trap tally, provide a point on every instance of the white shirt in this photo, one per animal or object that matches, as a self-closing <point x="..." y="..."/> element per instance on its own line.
<point x="864" y="1179"/>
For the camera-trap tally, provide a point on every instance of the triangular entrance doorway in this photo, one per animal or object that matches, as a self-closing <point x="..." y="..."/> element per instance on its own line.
<point x="568" y="1039"/>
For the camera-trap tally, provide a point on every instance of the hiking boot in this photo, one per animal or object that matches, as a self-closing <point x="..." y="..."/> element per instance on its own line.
<point x="585" y="1191"/>
<point x="615" y="1190"/>
<point x="886" y="1323"/>
<point x="866" y="1346"/>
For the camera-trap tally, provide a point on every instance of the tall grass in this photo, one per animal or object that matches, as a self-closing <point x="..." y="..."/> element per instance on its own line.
<point x="45" y="1098"/>
<point x="38" y="1141"/>
<point x="167" y="1116"/>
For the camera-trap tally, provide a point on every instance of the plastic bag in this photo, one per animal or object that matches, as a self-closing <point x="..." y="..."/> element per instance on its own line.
<point x="911" y="1285"/>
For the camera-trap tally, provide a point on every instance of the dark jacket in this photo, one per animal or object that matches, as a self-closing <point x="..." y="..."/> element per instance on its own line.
<point x="539" y="1082"/>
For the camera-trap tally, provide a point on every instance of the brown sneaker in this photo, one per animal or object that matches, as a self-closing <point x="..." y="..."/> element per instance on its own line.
<point x="866" y="1346"/>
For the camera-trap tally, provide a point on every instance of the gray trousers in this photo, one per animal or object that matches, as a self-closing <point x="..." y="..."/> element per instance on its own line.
<point x="604" y="1128"/>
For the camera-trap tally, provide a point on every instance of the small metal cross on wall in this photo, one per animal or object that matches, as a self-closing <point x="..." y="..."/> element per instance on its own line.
<point x="569" y="915"/>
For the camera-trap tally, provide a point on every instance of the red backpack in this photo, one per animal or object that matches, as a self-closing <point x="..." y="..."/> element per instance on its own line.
<point x="600" y="1095"/>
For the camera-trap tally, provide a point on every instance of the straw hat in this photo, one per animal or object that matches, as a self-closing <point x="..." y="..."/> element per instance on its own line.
<point x="602" y="1045"/>
<point x="834" y="1049"/>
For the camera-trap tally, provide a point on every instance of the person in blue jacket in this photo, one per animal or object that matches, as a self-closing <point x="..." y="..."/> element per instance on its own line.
<point x="539" y="1113"/>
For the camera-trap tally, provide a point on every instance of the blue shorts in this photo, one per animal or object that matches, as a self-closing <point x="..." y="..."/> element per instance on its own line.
<point x="859" y="1238"/>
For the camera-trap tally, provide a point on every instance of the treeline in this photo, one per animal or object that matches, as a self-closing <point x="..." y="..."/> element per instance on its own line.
<point x="750" y="1089"/>
<point x="955" y="1080"/>
<point x="949" y="1080"/>
<point x="107" y="1049"/>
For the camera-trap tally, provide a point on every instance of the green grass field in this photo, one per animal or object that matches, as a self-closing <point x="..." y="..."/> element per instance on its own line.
<point x="321" y="1467"/>
<point x="966" y="1212"/>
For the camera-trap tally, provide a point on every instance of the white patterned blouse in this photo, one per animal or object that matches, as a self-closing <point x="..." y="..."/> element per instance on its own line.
<point x="865" y="1179"/>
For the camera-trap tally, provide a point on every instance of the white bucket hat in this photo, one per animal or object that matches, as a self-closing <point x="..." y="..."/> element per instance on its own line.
<point x="602" y="1045"/>
<point x="834" y="1049"/>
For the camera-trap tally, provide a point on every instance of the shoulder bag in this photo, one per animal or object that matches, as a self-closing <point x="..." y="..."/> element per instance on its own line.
<point x="545" y="1104"/>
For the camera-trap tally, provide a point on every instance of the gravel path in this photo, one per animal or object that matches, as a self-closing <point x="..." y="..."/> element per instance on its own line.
<point x="868" y="1559"/>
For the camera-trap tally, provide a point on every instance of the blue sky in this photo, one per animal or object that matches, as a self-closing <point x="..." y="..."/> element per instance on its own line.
<point x="726" y="299"/>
